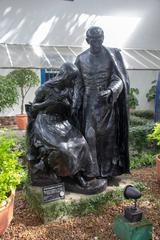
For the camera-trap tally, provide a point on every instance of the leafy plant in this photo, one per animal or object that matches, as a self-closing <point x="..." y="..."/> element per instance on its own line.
<point x="24" y="79"/>
<point x="133" y="101"/>
<point x="142" y="160"/>
<point x="137" y="121"/>
<point x="21" y="145"/>
<point x="11" y="171"/>
<point x="138" y="137"/>
<point x="155" y="135"/>
<point x="140" y="186"/>
<point x="148" y="114"/>
<point x="8" y="93"/>
<point x="152" y="92"/>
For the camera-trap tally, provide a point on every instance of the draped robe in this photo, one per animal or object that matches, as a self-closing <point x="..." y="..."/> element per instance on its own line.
<point x="104" y="123"/>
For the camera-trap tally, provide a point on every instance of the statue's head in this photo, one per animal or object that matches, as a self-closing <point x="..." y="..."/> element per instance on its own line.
<point x="68" y="72"/>
<point x="94" y="38"/>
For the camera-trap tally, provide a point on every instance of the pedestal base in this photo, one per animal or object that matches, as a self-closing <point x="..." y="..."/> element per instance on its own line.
<point x="126" y="230"/>
<point x="74" y="203"/>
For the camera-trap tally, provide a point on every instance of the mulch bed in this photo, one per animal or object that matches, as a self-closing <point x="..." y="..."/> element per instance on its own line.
<point x="27" y="226"/>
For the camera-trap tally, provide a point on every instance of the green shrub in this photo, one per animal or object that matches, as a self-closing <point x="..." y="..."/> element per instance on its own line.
<point x="155" y="135"/>
<point x="21" y="146"/>
<point x="133" y="101"/>
<point x="148" y="114"/>
<point x="138" y="121"/>
<point x="138" y="137"/>
<point x="11" y="171"/>
<point x="142" y="160"/>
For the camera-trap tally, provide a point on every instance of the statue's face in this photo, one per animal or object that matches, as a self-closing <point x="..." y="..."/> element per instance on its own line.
<point x="95" y="43"/>
<point x="63" y="74"/>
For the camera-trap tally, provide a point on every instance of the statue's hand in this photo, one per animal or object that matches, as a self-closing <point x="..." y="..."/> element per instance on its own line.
<point x="39" y="106"/>
<point x="105" y="96"/>
<point x="35" y="107"/>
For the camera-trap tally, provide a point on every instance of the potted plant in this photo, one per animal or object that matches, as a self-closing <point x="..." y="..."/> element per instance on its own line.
<point x="24" y="80"/>
<point x="133" y="101"/>
<point x="11" y="174"/>
<point x="155" y="136"/>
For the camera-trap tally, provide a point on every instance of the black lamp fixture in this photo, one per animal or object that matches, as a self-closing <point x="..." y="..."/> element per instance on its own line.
<point x="132" y="213"/>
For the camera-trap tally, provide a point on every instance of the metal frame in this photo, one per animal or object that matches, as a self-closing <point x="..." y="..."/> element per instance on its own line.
<point x="136" y="59"/>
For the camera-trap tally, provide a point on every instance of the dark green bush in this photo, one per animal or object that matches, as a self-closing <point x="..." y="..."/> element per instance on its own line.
<point x="138" y="121"/>
<point x="148" y="114"/>
<point x="138" y="139"/>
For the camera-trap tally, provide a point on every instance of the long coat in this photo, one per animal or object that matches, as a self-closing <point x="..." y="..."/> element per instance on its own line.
<point x="104" y="124"/>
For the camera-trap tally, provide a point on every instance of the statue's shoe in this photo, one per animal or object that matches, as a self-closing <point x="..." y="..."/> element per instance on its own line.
<point x="92" y="187"/>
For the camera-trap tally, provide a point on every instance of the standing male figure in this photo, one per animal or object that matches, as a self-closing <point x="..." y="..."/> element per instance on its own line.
<point x="100" y="101"/>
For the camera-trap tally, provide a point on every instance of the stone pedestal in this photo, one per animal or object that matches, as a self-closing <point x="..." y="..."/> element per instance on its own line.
<point x="47" y="210"/>
<point x="125" y="230"/>
<point x="74" y="204"/>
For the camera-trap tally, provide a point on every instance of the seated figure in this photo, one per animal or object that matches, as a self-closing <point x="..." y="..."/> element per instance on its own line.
<point x="57" y="150"/>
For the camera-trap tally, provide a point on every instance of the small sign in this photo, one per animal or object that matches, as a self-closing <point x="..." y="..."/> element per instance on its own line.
<point x="53" y="192"/>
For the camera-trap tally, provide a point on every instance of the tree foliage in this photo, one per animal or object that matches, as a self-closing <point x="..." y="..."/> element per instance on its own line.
<point x="133" y="101"/>
<point x="152" y="92"/>
<point x="24" y="79"/>
<point x="8" y="93"/>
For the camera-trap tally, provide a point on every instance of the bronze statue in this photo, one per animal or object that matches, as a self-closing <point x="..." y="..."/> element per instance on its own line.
<point x="78" y="123"/>
<point x="100" y="102"/>
<point x="58" y="151"/>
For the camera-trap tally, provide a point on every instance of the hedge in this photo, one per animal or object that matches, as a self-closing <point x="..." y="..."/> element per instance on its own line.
<point x="138" y="137"/>
<point x="138" y="121"/>
<point x="148" y="114"/>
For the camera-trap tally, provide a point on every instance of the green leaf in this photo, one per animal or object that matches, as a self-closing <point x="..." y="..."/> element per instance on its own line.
<point x="133" y="101"/>
<point x="23" y="79"/>
<point x="11" y="171"/>
<point x="8" y="93"/>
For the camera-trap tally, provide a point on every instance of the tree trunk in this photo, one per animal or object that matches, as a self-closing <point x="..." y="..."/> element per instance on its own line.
<point x="22" y="102"/>
<point x="22" y="106"/>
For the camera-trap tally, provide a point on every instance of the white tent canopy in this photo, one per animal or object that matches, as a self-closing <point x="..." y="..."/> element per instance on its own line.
<point x="37" y="57"/>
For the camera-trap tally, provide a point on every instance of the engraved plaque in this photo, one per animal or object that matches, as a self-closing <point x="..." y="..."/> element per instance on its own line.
<point x="53" y="192"/>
